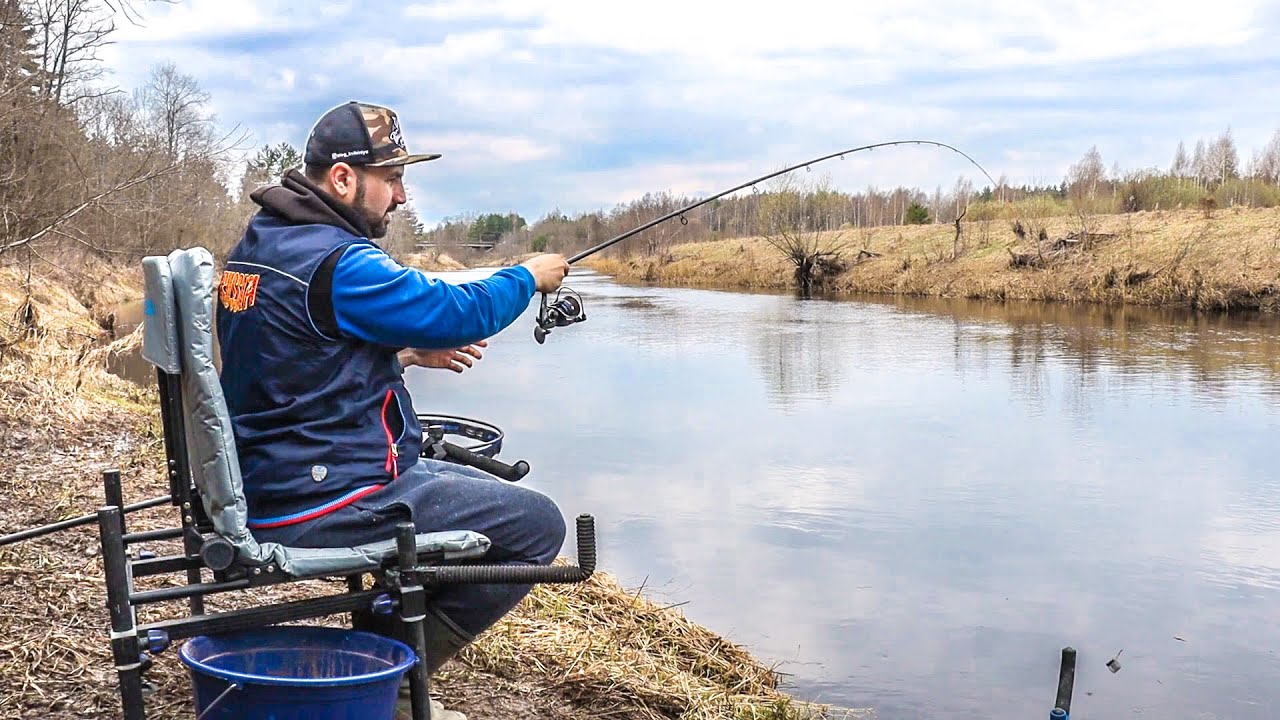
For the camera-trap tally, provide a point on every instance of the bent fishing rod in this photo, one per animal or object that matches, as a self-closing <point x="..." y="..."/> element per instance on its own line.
<point x="568" y="310"/>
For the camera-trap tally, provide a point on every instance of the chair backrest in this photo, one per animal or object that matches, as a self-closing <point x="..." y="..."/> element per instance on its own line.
<point x="178" y="339"/>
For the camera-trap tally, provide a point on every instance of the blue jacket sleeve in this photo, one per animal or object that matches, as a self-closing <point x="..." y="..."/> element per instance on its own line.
<point x="376" y="299"/>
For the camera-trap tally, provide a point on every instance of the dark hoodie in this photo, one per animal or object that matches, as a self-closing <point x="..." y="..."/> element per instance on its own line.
<point x="301" y="202"/>
<point x="315" y="392"/>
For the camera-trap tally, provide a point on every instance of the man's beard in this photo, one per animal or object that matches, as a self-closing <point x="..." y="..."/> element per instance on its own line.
<point x="378" y="225"/>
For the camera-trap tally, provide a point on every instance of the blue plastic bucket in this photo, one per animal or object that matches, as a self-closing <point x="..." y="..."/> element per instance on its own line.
<point x="296" y="672"/>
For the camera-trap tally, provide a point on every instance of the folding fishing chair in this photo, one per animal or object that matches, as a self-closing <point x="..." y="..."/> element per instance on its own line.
<point x="220" y="554"/>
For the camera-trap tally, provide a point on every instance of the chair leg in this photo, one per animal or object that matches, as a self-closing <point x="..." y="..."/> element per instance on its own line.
<point x="419" y="682"/>
<point x="125" y="649"/>
<point x="355" y="582"/>
<point x="413" y="608"/>
<point x="359" y="618"/>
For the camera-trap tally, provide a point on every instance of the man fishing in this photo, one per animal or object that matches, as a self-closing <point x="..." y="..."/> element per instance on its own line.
<point x="316" y="326"/>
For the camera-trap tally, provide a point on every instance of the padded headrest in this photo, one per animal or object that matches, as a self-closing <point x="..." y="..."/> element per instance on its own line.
<point x="160" y="321"/>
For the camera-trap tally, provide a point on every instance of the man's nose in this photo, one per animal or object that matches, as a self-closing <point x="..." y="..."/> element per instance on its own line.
<point x="398" y="196"/>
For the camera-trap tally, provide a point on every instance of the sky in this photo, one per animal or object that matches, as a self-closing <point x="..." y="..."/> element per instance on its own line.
<point x="579" y="106"/>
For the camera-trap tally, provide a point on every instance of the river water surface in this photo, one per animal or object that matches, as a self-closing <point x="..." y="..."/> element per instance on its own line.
<point x="914" y="505"/>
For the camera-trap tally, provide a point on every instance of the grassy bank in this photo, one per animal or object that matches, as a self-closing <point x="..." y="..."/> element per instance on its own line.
<point x="582" y="651"/>
<point x="1227" y="261"/>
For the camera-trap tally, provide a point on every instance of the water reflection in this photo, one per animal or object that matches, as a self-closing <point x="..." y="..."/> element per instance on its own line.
<point x="796" y="346"/>
<point x="1202" y="354"/>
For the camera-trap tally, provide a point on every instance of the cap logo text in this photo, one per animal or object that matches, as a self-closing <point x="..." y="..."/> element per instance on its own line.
<point x="395" y="136"/>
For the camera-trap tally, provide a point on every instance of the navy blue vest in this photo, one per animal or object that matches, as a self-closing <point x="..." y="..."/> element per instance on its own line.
<point x="319" y="420"/>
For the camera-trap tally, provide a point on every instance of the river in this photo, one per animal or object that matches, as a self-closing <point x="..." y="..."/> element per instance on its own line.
<point x="914" y="505"/>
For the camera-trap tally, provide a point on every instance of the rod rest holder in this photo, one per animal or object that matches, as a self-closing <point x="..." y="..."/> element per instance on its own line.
<point x="521" y="574"/>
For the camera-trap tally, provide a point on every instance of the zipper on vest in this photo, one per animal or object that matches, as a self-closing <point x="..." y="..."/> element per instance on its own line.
<point x="393" y="451"/>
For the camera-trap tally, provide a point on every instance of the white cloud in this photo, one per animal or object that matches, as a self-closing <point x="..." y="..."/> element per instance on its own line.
<point x="460" y="49"/>
<point x="184" y="22"/>
<point x="454" y="10"/>
<point x="285" y="80"/>
<point x="470" y="149"/>
<point x="629" y="183"/>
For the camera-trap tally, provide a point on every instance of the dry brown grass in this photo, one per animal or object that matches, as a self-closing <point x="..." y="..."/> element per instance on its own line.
<point x="618" y="653"/>
<point x="741" y="262"/>
<point x="55" y="350"/>
<point x="1166" y="258"/>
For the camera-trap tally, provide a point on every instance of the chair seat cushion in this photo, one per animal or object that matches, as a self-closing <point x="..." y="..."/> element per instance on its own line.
<point x="317" y="562"/>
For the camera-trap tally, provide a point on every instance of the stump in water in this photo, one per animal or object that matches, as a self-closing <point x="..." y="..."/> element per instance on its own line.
<point x="815" y="269"/>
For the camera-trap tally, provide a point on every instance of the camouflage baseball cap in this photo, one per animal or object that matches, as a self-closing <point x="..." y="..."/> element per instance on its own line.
<point x="359" y="133"/>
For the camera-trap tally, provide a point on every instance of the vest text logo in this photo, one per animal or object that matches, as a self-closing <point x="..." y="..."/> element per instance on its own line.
<point x="238" y="291"/>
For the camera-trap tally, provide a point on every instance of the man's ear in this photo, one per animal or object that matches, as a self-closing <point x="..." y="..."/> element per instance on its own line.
<point x="342" y="178"/>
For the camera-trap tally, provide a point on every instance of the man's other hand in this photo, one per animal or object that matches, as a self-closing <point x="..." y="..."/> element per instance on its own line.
<point x="456" y="359"/>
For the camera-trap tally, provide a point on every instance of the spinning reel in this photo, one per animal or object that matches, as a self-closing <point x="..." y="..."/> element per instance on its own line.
<point x="560" y="312"/>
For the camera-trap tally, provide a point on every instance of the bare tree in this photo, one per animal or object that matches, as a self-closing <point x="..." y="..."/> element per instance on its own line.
<point x="960" y="196"/>
<point x="177" y="109"/>
<point x="403" y="232"/>
<point x="81" y="169"/>
<point x="1266" y="164"/>
<point x="1200" y="165"/>
<point x="1083" y="181"/>
<point x="141" y="177"/>
<point x="817" y="255"/>
<point x="70" y="35"/>
<point x="113" y="120"/>
<point x="1085" y="176"/>
<point x="1181" y="164"/>
<point x="1223" y="158"/>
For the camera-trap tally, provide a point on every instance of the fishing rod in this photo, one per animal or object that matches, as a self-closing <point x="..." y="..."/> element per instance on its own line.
<point x="79" y="521"/>
<point x="568" y="309"/>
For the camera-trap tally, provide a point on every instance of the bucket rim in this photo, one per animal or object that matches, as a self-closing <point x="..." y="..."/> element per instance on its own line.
<point x="411" y="659"/>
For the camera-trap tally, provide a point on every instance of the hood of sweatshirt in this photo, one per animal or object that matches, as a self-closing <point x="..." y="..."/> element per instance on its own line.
<point x="302" y="202"/>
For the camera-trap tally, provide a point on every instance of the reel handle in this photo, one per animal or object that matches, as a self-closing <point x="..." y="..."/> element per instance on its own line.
<point x="544" y="322"/>
<point x="459" y="454"/>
